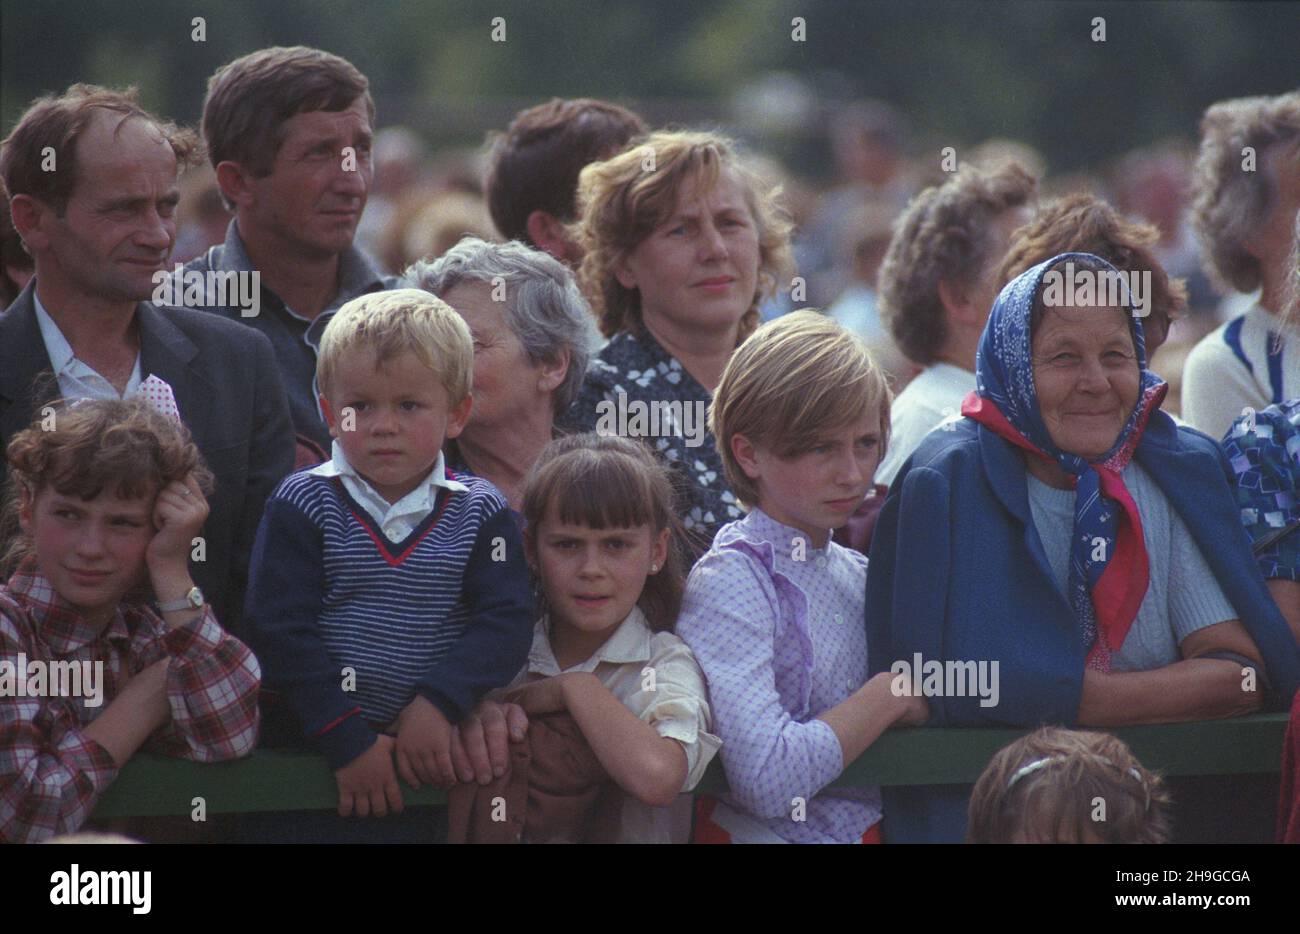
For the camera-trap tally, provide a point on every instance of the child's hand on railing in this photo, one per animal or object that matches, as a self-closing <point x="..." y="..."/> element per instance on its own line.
<point x="368" y="784"/>
<point x="423" y="750"/>
<point x="480" y="743"/>
<point x="916" y="713"/>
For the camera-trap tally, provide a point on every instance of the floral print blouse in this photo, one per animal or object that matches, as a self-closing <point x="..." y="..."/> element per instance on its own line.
<point x="657" y="388"/>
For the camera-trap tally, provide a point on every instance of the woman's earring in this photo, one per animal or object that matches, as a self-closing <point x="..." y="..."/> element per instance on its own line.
<point x="654" y="568"/>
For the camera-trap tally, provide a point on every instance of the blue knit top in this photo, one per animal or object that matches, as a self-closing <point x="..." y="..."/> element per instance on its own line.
<point x="350" y="626"/>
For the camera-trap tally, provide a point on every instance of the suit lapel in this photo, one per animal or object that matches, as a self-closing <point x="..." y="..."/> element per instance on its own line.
<point x="22" y="360"/>
<point x="166" y="352"/>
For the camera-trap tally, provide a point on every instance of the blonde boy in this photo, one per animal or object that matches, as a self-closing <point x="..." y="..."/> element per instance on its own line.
<point x="387" y="595"/>
<point x="774" y="610"/>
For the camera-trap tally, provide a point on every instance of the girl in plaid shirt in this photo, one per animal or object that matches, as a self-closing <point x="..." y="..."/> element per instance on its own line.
<point x="107" y="496"/>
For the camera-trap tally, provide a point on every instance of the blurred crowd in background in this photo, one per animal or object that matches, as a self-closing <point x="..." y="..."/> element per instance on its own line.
<point x="424" y="200"/>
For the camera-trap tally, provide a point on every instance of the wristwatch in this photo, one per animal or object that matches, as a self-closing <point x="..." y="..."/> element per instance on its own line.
<point x="191" y="601"/>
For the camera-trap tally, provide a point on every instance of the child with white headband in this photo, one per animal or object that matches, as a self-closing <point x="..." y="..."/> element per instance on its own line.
<point x="1068" y="786"/>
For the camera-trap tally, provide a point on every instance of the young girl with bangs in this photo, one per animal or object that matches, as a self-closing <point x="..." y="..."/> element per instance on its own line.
<point x="599" y="536"/>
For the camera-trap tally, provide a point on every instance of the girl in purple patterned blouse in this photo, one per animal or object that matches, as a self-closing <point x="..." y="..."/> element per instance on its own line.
<point x="774" y="610"/>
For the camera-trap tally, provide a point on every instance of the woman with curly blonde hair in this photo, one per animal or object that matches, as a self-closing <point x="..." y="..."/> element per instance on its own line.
<point x="681" y="243"/>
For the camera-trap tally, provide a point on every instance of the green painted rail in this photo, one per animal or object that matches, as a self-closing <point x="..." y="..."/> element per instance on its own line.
<point x="284" y="780"/>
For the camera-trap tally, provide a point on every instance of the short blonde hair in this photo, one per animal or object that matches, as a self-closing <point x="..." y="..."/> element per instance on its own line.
<point x="792" y="382"/>
<point x="388" y="324"/>
<point x="1230" y="204"/>
<point x="621" y="203"/>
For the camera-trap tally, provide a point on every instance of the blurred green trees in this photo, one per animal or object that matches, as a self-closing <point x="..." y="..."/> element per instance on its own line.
<point x="964" y="71"/>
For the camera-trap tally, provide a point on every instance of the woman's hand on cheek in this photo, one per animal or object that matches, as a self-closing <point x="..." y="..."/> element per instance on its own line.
<point x="178" y="515"/>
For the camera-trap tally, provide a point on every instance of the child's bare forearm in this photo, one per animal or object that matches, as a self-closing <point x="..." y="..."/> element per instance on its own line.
<point x="133" y="716"/>
<point x="860" y="719"/>
<point x="650" y="767"/>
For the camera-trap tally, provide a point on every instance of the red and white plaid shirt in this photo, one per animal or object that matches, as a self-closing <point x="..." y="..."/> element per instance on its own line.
<point x="51" y="773"/>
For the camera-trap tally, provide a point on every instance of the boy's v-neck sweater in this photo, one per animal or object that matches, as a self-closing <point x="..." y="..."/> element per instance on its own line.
<point x="350" y="626"/>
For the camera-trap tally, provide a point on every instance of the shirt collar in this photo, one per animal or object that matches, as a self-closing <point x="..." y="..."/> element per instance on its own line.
<point x="783" y="538"/>
<point x="953" y="376"/>
<point x="65" y="363"/>
<point x="357" y="273"/>
<point x="338" y="466"/>
<point x="60" y="625"/>
<point x="630" y="643"/>
<point x="56" y="345"/>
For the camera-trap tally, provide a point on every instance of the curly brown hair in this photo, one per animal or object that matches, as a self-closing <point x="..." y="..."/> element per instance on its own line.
<point x="1229" y="203"/>
<point x="1046" y="788"/>
<point x="85" y="447"/>
<point x="944" y="235"/>
<point x="621" y="204"/>
<point x="1083" y="223"/>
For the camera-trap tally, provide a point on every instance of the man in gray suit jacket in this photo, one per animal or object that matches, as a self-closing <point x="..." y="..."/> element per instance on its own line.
<point x="91" y="179"/>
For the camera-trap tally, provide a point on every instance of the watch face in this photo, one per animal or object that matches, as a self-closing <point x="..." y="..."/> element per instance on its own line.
<point x="195" y="597"/>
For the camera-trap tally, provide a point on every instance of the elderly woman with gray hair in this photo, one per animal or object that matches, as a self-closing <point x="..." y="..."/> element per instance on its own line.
<point x="532" y="337"/>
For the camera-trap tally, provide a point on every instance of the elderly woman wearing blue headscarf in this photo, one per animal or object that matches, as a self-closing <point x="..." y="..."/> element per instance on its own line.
<point x="1072" y="548"/>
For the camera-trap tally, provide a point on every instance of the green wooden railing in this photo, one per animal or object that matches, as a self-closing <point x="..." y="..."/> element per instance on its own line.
<point x="282" y="780"/>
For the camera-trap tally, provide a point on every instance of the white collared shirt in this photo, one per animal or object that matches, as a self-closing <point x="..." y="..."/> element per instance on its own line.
<point x="399" y="519"/>
<point x="676" y="705"/>
<point x="77" y="380"/>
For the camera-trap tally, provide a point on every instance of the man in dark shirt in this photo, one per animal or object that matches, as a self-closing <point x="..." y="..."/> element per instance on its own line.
<point x="289" y="133"/>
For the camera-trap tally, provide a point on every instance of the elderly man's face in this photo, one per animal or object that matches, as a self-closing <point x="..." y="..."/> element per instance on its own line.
<point x="1086" y="376"/>
<point x="120" y="222"/>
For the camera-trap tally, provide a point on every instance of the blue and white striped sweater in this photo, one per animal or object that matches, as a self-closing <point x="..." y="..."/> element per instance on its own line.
<point x="434" y="614"/>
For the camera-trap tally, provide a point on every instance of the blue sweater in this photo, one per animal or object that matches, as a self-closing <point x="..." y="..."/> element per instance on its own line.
<point x="447" y="613"/>
<point x="958" y="572"/>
